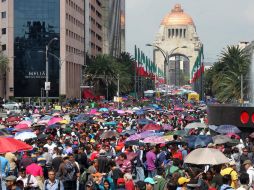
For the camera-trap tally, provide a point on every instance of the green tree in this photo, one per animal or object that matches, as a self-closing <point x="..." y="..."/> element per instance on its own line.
<point x="223" y="78"/>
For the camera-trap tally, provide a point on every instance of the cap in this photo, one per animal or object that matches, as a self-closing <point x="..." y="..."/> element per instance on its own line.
<point x="11" y="178"/>
<point x="150" y="180"/>
<point x="97" y="174"/>
<point x="183" y="180"/>
<point x="247" y="162"/>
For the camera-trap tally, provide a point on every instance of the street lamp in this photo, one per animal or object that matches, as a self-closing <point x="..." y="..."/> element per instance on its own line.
<point x="47" y="85"/>
<point x="166" y="56"/>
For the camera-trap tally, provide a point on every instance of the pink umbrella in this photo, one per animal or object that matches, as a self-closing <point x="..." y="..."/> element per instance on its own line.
<point x="167" y="127"/>
<point x="155" y="140"/>
<point x="21" y="126"/>
<point x="54" y="120"/>
<point x="93" y="111"/>
<point x="233" y="135"/>
<point x="28" y="123"/>
<point x="43" y="122"/>
<point x="120" y="112"/>
<point x="129" y="111"/>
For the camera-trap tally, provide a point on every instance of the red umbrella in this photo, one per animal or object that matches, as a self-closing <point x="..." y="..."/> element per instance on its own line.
<point x="13" y="145"/>
<point x="12" y="119"/>
<point x="151" y="126"/>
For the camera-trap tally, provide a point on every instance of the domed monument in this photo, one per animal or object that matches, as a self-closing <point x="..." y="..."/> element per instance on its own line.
<point x="178" y="38"/>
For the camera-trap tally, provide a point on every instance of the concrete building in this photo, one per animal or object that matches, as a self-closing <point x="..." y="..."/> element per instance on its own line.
<point x="113" y="12"/>
<point x="177" y="36"/>
<point x="94" y="24"/>
<point x="27" y="26"/>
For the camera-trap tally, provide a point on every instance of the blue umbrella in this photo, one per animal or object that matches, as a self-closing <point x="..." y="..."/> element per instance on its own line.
<point x="143" y="121"/>
<point x="140" y="112"/>
<point x="224" y="129"/>
<point x="195" y="141"/>
<point x="54" y="126"/>
<point x="103" y="110"/>
<point x="111" y="123"/>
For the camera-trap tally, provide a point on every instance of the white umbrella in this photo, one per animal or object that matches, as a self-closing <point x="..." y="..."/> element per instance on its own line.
<point x="195" y="125"/>
<point x="25" y="135"/>
<point x="206" y="156"/>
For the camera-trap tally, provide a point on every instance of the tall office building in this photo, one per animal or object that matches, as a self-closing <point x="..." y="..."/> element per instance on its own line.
<point x="93" y="22"/>
<point x="113" y="13"/>
<point x="27" y="26"/>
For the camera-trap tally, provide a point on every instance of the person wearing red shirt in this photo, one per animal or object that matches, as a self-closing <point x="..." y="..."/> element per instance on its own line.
<point x="129" y="184"/>
<point x="36" y="170"/>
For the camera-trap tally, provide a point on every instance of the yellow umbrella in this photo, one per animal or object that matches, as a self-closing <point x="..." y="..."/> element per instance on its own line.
<point x="64" y="122"/>
<point x="168" y="138"/>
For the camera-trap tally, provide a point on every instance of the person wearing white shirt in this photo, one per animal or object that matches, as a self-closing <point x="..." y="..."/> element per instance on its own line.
<point x="250" y="170"/>
<point x="28" y="180"/>
<point x="50" y="146"/>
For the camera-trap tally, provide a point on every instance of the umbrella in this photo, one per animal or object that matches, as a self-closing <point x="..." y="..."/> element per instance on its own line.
<point x="136" y="143"/>
<point x="199" y="141"/>
<point x="21" y="126"/>
<point x="206" y="156"/>
<point x="42" y="136"/>
<point x="167" y="127"/>
<point x="168" y="138"/>
<point x="25" y="135"/>
<point x="154" y="140"/>
<point x="180" y="133"/>
<point x="13" y="145"/>
<point x="221" y="139"/>
<point x="103" y="110"/>
<point x="109" y="134"/>
<point x="54" y="126"/>
<point x="143" y="121"/>
<point x="28" y="123"/>
<point x="139" y="112"/>
<point x="54" y="120"/>
<point x="233" y="136"/>
<point x="120" y="112"/>
<point x="224" y="129"/>
<point x="213" y="127"/>
<point x="129" y="132"/>
<point x="135" y="109"/>
<point x="134" y="137"/>
<point x="151" y="126"/>
<point x="12" y="119"/>
<point x="111" y="123"/>
<point x="100" y="120"/>
<point x="195" y="125"/>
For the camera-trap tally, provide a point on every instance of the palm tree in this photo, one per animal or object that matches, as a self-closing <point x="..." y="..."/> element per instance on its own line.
<point x="226" y="82"/>
<point x="4" y="61"/>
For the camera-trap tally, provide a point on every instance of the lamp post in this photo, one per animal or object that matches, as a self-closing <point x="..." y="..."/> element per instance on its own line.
<point x="47" y="87"/>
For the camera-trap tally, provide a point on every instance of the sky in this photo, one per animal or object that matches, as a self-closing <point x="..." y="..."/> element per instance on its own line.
<point x="218" y="22"/>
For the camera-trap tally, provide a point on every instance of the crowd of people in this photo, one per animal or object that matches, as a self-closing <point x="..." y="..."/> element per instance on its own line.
<point x="79" y="156"/>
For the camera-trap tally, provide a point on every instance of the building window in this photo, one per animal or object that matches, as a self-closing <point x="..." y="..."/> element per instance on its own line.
<point x="3" y="0"/>
<point x="3" y="30"/>
<point x="3" y="14"/>
<point x="184" y="33"/>
<point x="173" y="33"/>
<point x="181" y="33"/>
<point x="3" y="47"/>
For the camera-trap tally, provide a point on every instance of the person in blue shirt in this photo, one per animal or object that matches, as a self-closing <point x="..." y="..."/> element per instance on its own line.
<point x="5" y="166"/>
<point x="52" y="183"/>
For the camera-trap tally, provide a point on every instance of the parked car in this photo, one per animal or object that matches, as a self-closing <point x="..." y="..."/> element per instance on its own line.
<point x="11" y="105"/>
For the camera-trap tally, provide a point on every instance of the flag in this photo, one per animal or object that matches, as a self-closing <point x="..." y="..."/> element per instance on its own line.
<point x="198" y="67"/>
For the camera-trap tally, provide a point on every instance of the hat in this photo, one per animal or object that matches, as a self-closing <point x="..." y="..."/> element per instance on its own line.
<point x="120" y="181"/>
<point x="11" y="178"/>
<point x="150" y="180"/>
<point x="97" y="174"/>
<point x="183" y="180"/>
<point x="232" y="163"/>
<point x="247" y="162"/>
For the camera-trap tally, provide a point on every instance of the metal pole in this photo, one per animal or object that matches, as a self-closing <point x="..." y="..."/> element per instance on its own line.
<point x="47" y="79"/>
<point x="175" y="71"/>
<point x="118" y="90"/>
<point x="241" y="88"/>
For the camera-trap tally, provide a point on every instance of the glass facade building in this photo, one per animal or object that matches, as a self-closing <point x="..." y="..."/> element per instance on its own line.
<point x="36" y="22"/>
